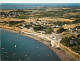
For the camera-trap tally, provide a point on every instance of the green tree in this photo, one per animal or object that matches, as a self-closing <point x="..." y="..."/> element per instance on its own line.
<point x="60" y="30"/>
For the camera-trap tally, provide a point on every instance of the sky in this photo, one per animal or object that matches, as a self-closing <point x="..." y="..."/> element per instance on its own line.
<point x="40" y="1"/>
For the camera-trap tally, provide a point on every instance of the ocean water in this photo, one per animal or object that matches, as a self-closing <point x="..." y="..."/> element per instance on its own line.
<point x="27" y="49"/>
<point x="35" y="5"/>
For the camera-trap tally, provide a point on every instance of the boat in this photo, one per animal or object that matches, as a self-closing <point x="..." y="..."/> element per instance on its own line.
<point x="2" y="48"/>
<point x="15" y="46"/>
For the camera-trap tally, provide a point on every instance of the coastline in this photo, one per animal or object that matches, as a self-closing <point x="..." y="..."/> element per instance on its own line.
<point x="62" y="56"/>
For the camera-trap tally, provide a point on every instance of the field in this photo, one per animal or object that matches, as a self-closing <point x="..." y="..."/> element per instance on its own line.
<point x="64" y="21"/>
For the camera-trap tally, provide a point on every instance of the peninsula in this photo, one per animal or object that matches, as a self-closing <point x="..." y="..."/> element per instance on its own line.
<point x="56" y="27"/>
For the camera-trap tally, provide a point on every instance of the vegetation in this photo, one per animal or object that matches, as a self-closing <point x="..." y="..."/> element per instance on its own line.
<point x="21" y="17"/>
<point x="38" y="28"/>
<point x="60" y="30"/>
<point x="78" y="27"/>
<point x="47" y="30"/>
<point x="28" y="26"/>
<point x="72" y="42"/>
<point x="78" y="35"/>
<point x="60" y="23"/>
<point x="11" y="23"/>
<point x="76" y="21"/>
<point x="48" y="26"/>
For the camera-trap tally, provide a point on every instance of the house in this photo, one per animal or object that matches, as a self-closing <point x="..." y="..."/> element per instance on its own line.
<point x="71" y="42"/>
<point x="70" y="28"/>
<point x="57" y="26"/>
<point x="7" y="24"/>
<point x="31" y="28"/>
<point x="41" y="31"/>
<point x="0" y="21"/>
<point x="23" y="25"/>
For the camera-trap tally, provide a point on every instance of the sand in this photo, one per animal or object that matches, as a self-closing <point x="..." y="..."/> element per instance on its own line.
<point x="57" y="51"/>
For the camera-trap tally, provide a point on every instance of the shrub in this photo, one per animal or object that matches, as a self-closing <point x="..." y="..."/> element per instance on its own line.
<point x="60" y="30"/>
<point x="60" y="23"/>
<point x="48" y="30"/>
<point x="38" y="28"/>
<point x="21" y="17"/>
<point x="75" y="44"/>
<point x="78" y="35"/>
<point x="76" y="21"/>
<point x="77" y="27"/>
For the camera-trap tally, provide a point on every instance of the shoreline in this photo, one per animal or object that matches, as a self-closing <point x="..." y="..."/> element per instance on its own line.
<point x="61" y="55"/>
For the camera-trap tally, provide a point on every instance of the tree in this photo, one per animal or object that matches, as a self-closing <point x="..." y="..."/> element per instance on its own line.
<point x="60" y="30"/>
<point x="48" y="30"/>
<point x="38" y="28"/>
<point x="76" y="21"/>
<point x="21" y="17"/>
<point x="78" y="35"/>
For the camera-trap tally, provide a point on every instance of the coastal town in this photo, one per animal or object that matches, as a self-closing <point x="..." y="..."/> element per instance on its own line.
<point x="58" y="27"/>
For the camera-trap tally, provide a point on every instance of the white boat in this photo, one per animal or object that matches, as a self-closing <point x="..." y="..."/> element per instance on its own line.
<point x="2" y="48"/>
<point x="15" y="46"/>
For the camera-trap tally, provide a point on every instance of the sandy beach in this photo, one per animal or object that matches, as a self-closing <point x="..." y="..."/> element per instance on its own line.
<point x="58" y="52"/>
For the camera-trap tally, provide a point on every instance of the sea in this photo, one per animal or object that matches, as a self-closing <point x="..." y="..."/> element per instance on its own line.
<point x="36" y="5"/>
<point x="16" y="47"/>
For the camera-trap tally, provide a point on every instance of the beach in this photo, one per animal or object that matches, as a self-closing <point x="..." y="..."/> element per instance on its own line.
<point x="55" y="26"/>
<point x="58" y="52"/>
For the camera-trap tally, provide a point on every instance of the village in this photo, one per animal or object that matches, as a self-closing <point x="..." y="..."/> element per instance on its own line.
<point x="58" y="28"/>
